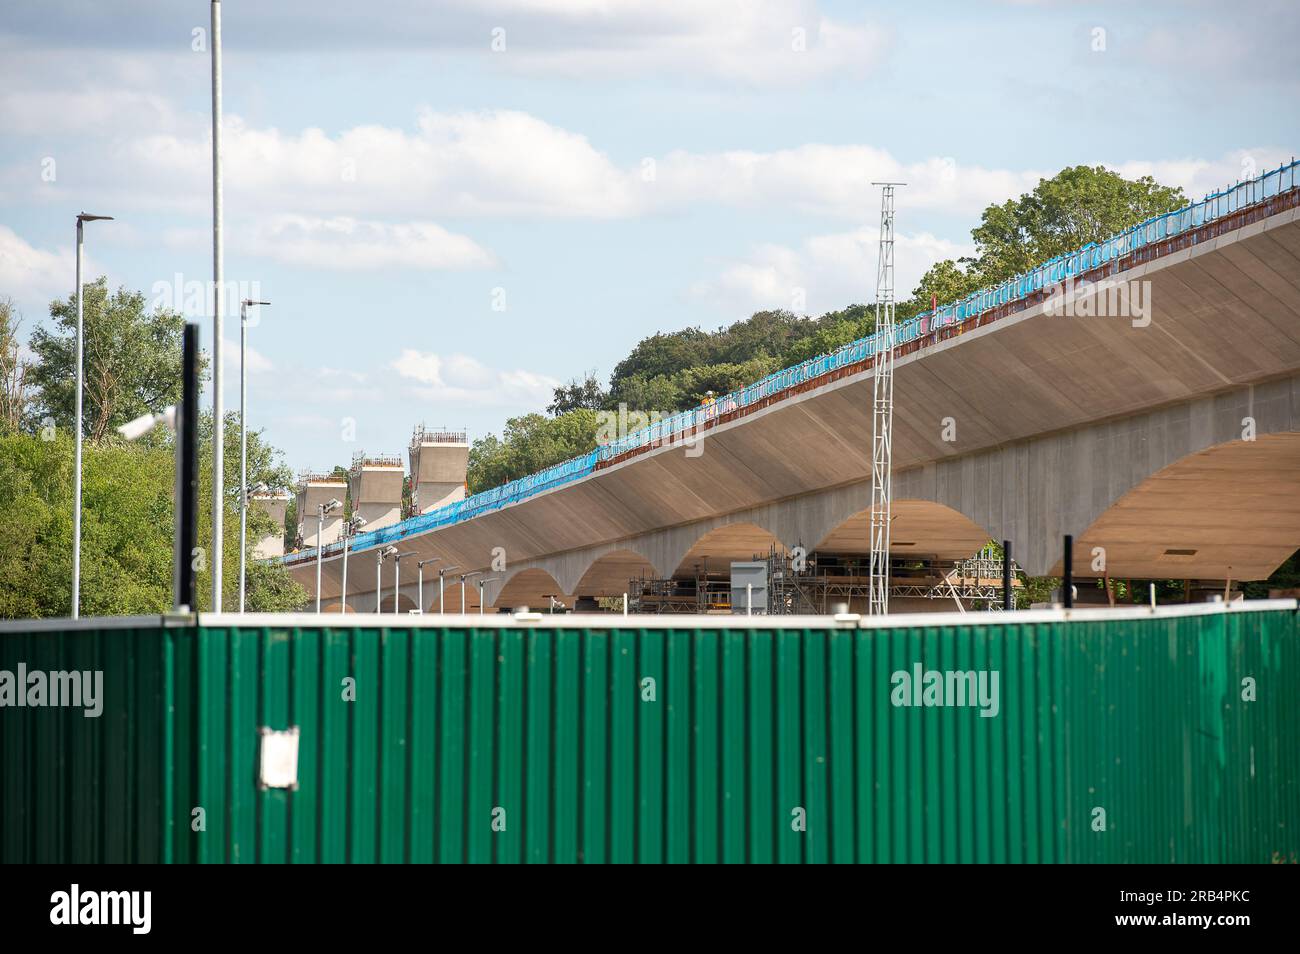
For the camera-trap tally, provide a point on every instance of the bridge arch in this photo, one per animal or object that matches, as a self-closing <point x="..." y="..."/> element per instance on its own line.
<point x="922" y="527"/>
<point x="610" y="573"/>
<point x="451" y="596"/>
<point x="1230" y="511"/>
<point x="404" y="604"/>
<point x="715" y="549"/>
<point x="527" y="586"/>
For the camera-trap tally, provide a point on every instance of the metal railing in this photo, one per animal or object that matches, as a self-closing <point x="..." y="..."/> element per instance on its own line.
<point x="684" y="424"/>
<point x="423" y="435"/>
<point x="362" y="459"/>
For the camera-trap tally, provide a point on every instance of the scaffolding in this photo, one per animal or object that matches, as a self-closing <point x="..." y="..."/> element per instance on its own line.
<point x="820" y="584"/>
<point x="704" y="592"/>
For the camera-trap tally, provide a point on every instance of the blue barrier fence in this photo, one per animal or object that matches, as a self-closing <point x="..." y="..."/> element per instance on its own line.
<point x="683" y="425"/>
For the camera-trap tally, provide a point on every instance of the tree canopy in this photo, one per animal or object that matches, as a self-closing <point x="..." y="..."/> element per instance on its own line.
<point x="133" y="366"/>
<point x="132" y="359"/>
<point x="1080" y="205"/>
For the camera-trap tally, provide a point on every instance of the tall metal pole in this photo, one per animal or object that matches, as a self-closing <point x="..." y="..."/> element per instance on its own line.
<point x="343" y="597"/>
<point x="379" y="585"/>
<point x="243" y="446"/>
<point x="82" y="219"/>
<point x="320" y="548"/>
<point x="397" y="581"/>
<point x="76" y="472"/>
<point x="882" y="414"/>
<point x="187" y="473"/>
<point x="243" y="438"/>
<point x="1067" y="582"/>
<point x="442" y="606"/>
<point x="419" y="566"/>
<point x="218" y="420"/>
<point x="1008" y="599"/>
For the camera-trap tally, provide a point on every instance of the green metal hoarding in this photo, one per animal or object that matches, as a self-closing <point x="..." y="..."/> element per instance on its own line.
<point x="1168" y="735"/>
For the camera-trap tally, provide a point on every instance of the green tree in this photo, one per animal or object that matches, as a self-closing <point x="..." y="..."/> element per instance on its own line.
<point x="270" y="588"/>
<point x="946" y="282"/>
<point x="126" y="537"/>
<point x="530" y="443"/>
<point x="132" y="359"/>
<point x="832" y="331"/>
<point x="128" y="515"/>
<point x="659" y="393"/>
<point x="1078" y="206"/>
<point x="14" y="371"/>
<point x="576" y="395"/>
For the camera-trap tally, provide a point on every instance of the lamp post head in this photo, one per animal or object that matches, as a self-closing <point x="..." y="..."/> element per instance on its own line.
<point x="84" y="217"/>
<point x="331" y="506"/>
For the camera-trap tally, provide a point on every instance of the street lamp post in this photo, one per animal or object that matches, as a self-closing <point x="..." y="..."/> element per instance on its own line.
<point x="379" y="575"/>
<point x="349" y="528"/>
<point x="397" y="578"/>
<point x="243" y="439"/>
<point x="218" y="308"/>
<point x="420" y="585"/>
<point x="481" y="584"/>
<point x="442" y="607"/>
<point x="321" y="510"/>
<point x="82" y="219"/>
<point x="463" y="578"/>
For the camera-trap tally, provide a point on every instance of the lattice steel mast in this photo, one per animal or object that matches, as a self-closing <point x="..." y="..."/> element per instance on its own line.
<point x="882" y="417"/>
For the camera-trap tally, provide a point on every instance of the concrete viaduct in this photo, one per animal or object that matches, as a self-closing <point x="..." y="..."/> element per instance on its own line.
<point x="1173" y="445"/>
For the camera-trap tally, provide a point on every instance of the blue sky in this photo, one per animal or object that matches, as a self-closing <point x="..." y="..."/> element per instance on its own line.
<point x="617" y="169"/>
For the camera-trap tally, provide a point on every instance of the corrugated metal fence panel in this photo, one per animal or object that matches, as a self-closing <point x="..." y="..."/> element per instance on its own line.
<point x="515" y="744"/>
<point x="625" y="745"/>
<point x="81" y="789"/>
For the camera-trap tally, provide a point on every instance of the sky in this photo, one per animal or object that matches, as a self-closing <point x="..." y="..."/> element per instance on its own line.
<point x="455" y="206"/>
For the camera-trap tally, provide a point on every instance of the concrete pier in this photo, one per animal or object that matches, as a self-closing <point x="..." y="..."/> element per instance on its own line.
<point x="439" y="462"/>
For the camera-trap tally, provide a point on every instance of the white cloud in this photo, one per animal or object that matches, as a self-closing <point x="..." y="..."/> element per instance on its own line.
<point x="1199" y="177"/>
<point x="747" y="41"/>
<point x="52" y="112"/>
<point x="33" y="276"/>
<point x="346" y="243"/>
<point x="258" y="363"/>
<point x="824" y="273"/>
<point x="504" y="163"/>
<point x="460" y="379"/>
<point x="834" y="180"/>
<point x="752" y="42"/>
